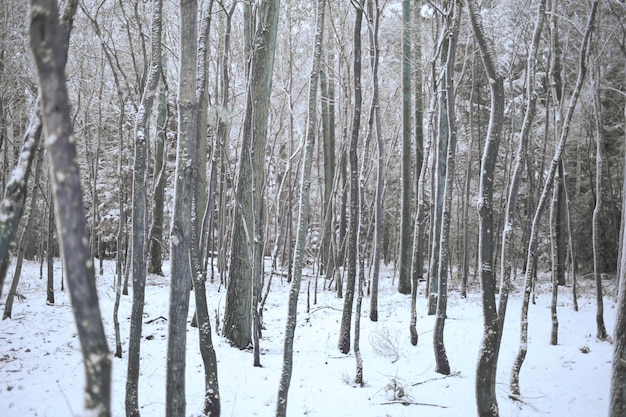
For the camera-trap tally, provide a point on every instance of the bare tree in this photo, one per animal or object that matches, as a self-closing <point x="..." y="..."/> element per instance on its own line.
<point x="547" y="187"/>
<point x="618" y="376"/>
<point x="48" y="41"/>
<point x="406" y="243"/>
<point x="243" y="282"/>
<point x="180" y="234"/>
<point x="441" y="358"/>
<point x="304" y="207"/>
<point x="346" y="316"/>
<point x="139" y="213"/>
<point x="487" y="361"/>
<point x="417" y="261"/>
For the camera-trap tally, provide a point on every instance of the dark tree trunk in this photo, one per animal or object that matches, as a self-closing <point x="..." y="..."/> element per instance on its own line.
<point x="346" y="317"/>
<point x="406" y="241"/>
<point x="155" y="241"/>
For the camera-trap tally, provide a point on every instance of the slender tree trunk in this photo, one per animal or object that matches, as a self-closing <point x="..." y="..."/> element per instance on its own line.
<point x="346" y="317"/>
<point x="441" y="358"/>
<point x="50" y="249"/>
<point x="618" y="375"/>
<point x="328" y="134"/>
<point x="304" y="208"/>
<point x="12" y="204"/>
<point x="21" y="247"/>
<point x="181" y="228"/>
<point x="417" y="261"/>
<point x="595" y="227"/>
<point x="532" y="241"/>
<point x="139" y="215"/>
<point x="374" y="125"/>
<point x="406" y="242"/>
<point x="212" y="404"/>
<point x="48" y="40"/>
<point x="554" y="248"/>
<point x="487" y="359"/>
<point x="155" y="240"/>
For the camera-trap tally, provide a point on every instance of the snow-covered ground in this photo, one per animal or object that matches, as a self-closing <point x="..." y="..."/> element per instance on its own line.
<point x="41" y="373"/>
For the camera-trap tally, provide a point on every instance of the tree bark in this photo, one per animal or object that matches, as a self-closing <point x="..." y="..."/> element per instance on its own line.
<point x="441" y="358"/>
<point x="180" y="234"/>
<point x="532" y="241"/>
<point x="375" y="124"/>
<point x="598" y="271"/>
<point x="618" y="375"/>
<point x="417" y="260"/>
<point x="21" y="247"/>
<point x="487" y="359"/>
<point x="12" y="204"/>
<point x="406" y="242"/>
<point x="49" y="42"/>
<point x="238" y="313"/>
<point x="155" y="240"/>
<point x="139" y="214"/>
<point x="304" y="208"/>
<point x="346" y="317"/>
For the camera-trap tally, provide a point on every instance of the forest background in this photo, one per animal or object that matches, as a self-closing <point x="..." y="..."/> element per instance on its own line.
<point x="425" y="112"/>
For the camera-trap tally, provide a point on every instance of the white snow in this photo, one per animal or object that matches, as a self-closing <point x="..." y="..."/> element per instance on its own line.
<point x="41" y="371"/>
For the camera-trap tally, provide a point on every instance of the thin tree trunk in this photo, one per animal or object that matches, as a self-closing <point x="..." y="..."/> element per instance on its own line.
<point x="532" y="241"/>
<point x="50" y="250"/>
<point x="406" y="242"/>
<point x="346" y="317"/>
<point x="180" y="234"/>
<point x="554" y="248"/>
<point x="441" y="358"/>
<point x="139" y="215"/>
<point x="155" y="239"/>
<point x="417" y="261"/>
<point x="595" y="227"/>
<point x="487" y="359"/>
<point x="304" y="208"/>
<point x="618" y="376"/>
<point x="12" y="204"/>
<point x="49" y="40"/>
<point x="8" y="306"/>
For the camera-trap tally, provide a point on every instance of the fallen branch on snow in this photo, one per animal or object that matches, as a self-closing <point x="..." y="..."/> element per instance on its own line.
<point x="457" y="373"/>
<point x="413" y="403"/>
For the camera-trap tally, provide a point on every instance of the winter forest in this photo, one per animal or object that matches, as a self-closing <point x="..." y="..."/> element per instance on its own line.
<point x="325" y="208"/>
